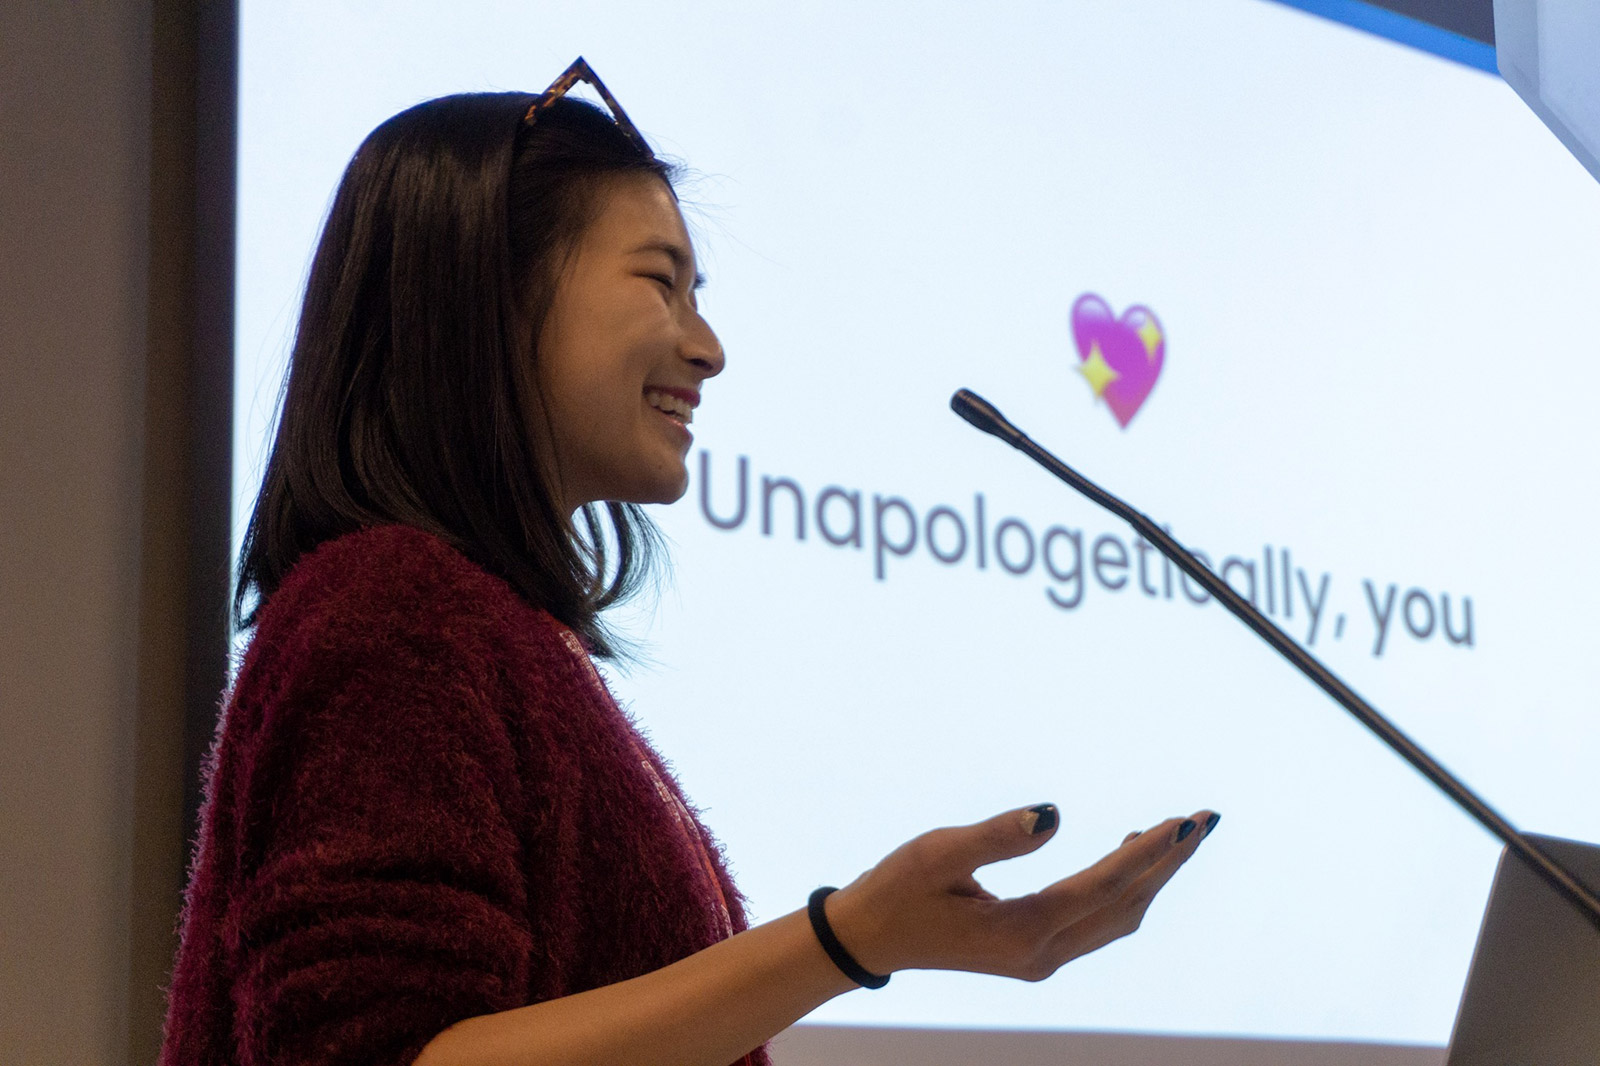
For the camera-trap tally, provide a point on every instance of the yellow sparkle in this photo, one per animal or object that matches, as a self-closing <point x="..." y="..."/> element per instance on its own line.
<point x="1096" y="371"/>
<point x="1150" y="333"/>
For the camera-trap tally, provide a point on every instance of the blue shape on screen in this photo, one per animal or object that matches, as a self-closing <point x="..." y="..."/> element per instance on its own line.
<point x="1403" y="29"/>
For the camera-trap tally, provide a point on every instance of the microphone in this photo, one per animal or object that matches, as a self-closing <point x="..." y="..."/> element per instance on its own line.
<point x="982" y="414"/>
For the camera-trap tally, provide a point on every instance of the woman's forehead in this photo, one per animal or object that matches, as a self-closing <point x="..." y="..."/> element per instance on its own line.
<point x="639" y="213"/>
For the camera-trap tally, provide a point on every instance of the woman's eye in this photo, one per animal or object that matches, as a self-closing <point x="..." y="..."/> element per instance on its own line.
<point x="663" y="278"/>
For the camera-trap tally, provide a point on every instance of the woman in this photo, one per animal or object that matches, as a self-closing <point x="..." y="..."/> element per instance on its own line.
<point x="430" y="835"/>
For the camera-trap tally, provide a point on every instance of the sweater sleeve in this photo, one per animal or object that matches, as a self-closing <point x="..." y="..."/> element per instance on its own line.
<point x="381" y="895"/>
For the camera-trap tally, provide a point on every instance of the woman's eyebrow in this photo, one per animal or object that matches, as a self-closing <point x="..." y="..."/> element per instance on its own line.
<point x="677" y="253"/>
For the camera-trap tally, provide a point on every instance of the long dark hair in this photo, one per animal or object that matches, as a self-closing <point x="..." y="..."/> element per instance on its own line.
<point x="413" y="370"/>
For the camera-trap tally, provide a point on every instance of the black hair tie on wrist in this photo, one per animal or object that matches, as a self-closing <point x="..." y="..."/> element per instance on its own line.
<point x="830" y="943"/>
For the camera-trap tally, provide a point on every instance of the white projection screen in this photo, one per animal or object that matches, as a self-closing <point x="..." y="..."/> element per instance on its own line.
<point x="1322" y="303"/>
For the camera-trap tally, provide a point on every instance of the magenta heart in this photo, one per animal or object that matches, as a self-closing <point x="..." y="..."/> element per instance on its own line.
<point x="1120" y="358"/>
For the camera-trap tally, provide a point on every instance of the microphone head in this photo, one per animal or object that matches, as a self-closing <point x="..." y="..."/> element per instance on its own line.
<point x="981" y="413"/>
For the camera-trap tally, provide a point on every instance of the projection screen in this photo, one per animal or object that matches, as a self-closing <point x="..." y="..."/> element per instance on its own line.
<point x="1320" y="302"/>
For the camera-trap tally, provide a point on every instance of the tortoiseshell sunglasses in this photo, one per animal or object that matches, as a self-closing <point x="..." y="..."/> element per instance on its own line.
<point x="579" y="71"/>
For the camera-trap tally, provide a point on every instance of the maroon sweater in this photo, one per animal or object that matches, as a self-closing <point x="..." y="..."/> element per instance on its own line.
<point x="422" y="806"/>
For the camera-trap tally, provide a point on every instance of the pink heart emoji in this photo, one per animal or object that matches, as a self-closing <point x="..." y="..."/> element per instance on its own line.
<point x="1120" y="358"/>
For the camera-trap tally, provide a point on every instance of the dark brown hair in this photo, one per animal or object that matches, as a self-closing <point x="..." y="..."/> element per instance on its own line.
<point x="413" y="369"/>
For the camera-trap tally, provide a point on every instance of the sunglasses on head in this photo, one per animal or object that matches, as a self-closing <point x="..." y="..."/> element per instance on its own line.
<point x="579" y="71"/>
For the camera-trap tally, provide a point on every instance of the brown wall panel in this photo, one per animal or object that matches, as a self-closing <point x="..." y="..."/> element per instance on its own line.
<point x="99" y="492"/>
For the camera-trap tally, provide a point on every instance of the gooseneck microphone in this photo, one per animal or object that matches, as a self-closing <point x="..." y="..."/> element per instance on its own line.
<point x="982" y="414"/>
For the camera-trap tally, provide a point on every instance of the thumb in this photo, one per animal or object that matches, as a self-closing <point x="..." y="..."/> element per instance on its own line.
<point x="1005" y="836"/>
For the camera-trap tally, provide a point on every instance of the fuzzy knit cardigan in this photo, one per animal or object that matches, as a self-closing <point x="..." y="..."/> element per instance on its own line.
<point x="422" y="806"/>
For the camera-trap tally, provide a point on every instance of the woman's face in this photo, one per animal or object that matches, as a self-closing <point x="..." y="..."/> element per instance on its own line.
<point x="623" y="352"/>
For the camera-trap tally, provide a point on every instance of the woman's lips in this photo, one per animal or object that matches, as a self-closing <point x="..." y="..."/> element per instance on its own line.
<point x="678" y="404"/>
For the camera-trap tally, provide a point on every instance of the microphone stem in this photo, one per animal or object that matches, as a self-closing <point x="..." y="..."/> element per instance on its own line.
<point x="1554" y="874"/>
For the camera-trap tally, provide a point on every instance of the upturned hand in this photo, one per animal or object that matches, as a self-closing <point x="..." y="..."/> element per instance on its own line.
<point x="923" y="908"/>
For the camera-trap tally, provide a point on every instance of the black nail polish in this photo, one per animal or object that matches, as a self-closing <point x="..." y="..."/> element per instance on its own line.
<point x="1046" y="818"/>
<point x="1211" y="823"/>
<point x="1186" y="828"/>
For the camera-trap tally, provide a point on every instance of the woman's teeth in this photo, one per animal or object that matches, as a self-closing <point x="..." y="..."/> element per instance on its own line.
<point x="670" y="405"/>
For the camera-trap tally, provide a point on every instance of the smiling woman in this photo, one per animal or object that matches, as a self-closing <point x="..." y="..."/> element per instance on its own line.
<point x="430" y="835"/>
<point x="414" y="373"/>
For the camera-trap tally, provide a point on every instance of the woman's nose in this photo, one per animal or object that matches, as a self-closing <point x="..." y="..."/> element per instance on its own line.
<point x="701" y="347"/>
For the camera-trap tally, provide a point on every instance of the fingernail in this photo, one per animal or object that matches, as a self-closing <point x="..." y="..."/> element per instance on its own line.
<point x="1211" y="823"/>
<point x="1185" y="829"/>
<point x="1041" y="819"/>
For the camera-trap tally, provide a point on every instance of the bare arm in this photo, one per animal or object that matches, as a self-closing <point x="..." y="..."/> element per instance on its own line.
<point x="709" y="1008"/>
<point x="920" y="908"/>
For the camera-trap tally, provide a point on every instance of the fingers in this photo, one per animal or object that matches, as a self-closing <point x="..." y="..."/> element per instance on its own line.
<point x="921" y="907"/>
<point x="1108" y="900"/>
<point x="1120" y="918"/>
<point x="1103" y="903"/>
<point x="1004" y="836"/>
<point x="1145" y="861"/>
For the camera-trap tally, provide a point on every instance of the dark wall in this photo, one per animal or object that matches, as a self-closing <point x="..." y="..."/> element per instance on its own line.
<point x="114" y="425"/>
<point x="1469" y="18"/>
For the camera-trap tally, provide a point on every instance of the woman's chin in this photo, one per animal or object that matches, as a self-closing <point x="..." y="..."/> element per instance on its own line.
<point x="663" y="491"/>
<point x="675" y="493"/>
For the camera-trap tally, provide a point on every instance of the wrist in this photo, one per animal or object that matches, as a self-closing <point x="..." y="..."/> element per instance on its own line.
<point x="858" y="930"/>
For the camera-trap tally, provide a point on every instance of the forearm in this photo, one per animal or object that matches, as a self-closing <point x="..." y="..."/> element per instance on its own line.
<point x="706" y="1010"/>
